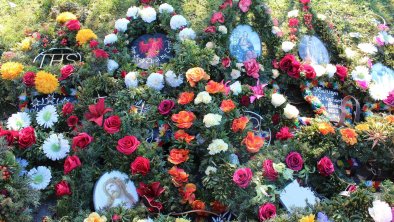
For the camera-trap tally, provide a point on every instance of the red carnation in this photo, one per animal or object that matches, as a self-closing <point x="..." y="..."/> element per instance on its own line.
<point x="128" y="144"/>
<point x="29" y="78"/>
<point x="140" y="165"/>
<point x="73" y="25"/>
<point x="62" y="188"/>
<point x="284" y="134"/>
<point x="112" y="124"/>
<point x="217" y="17"/>
<point x="99" y="53"/>
<point x="81" y="141"/>
<point x="71" y="163"/>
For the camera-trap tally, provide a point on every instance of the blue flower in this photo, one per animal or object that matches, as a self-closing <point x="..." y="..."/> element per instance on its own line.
<point x="23" y="164"/>
<point x="321" y="217"/>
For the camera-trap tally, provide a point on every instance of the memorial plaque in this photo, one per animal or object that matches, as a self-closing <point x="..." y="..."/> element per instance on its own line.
<point x="245" y="44"/>
<point x="57" y="56"/>
<point x="331" y="99"/>
<point x="40" y="102"/>
<point x="151" y="50"/>
<point x="313" y="50"/>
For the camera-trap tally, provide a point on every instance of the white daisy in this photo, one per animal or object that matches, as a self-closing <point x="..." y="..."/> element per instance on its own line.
<point x="18" y="121"/>
<point x="56" y="147"/>
<point x="39" y="177"/>
<point x="47" y="117"/>
<point x="361" y="73"/>
<point x="155" y="81"/>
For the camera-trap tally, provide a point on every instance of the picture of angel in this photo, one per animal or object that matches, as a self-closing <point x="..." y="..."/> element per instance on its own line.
<point x="245" y="44"/>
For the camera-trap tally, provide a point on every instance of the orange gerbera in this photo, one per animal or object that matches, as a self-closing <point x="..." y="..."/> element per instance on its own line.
<point x="227" y="105"/>
<point x="184" y="119"/>
<point x="349" y="136"/>
<point x="213" y="87"/>
<point x="253" y="143"/>
<point x="195" y="75"/>
<point x="178" y="156"/>
<point x="179" y="176"/>
<point x="325" y="128"/>
<point x="390" y="118"/>
<point x="239" y="124"/>
<point x="182" y="135"/>
<point x="185" y="98"/>
<point x="198" y="205"/>
<point x="187" y="193"/>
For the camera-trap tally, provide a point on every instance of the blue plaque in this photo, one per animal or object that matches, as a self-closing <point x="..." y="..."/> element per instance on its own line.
<point x="313" y="50"/>
<point x="151" y="50"/>
<point x="331" y="99"/>
<point x="245" y="44"/>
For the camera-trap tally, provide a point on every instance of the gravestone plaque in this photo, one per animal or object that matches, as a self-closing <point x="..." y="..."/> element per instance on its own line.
<point x="55" y="99"/>
<point x="312" y="49"/>
<point x="245" y="44"/>
<point x="331" y="99"/>
<point x="57" y="56"/>
<point x="151" y="50"/>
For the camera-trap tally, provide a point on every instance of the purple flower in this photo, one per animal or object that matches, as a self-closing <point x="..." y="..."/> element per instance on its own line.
<point x="321" y="217"/>
<point x="390" y="99"/>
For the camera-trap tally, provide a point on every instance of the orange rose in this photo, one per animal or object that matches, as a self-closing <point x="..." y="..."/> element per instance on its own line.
<point x="253" y="143"/>
<point x="198" y="205"/>
<point x="179" y="176"/>
<point x="349" y="136"/>
<point x="178" y="156"/>
<point x="227" y="105"/>
<point x="325" y="128"/>
<point x="213" y="87"/>
<point x="390" y="118"/>
<point x="187" y="193"/>
<point x="239" y="124"/>
<point x="184" y="119"/>
<point x="195" y="75"/>
<point x="185" y="98"/>
<point x="182" y="135"/>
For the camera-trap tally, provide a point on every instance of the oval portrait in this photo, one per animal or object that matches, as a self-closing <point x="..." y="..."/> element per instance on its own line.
<point x="114" y="189"/>
<point x="245" y="44"/>
<point x="313" y="50"/>
<point x="151" y="50"/>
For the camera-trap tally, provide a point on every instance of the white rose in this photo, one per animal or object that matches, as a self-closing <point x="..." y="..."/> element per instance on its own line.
<point x="222" y="29"/>
<point x="291" y="112"/>
<point x="110" y="39"/>
<point x="177" y="22"/>
<point x="148" y="14"/>
<point x="131" y="80"/>
<point x="236" y="88"/>
<point x="235" y="74"/>
<point x="380" y="211"/>
<point x="187" y="34"/>
<point x="331" y="70"/>
<point x="217" y="146"/>
<point x="112" y="65"/>
<point x="277" y="99"/>
<point x="320" y="70"/>
<point x="121" y="24"/>
<point x="287" y="46"/>
<point x="132" y="12"/>
<point x="275" y="73"/>
<point x="212" y="120"/>
<point x="166" y="8"/>
<point x="210" y="170"/>
<point x="210" y="45"/>
<point x="203" y="97"/>
<point x="215" y="60"/>
<point x="155" y="81"/>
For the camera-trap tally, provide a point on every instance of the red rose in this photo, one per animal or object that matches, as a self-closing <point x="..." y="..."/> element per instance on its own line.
<point x="267" y="211"/>
<point x="71" y="163"/>
<point x="67" y="109"/>
<point x="293" y="22"/>
<point x="309" y="71"/>
<point x="26" y="137"/>
<point x="73" y="25"/>
<point x="341" y="72"/>
<point x="217" y="17"/>
<point x="325" y="166"/>
<point x="99" y="53"/>
<point x="244" y="5"/>
<point x="112" y="124"/>
<point x="166" y="106"/>
<point x="66" y="72"/>
<point x="72" y="121"/>
<point x="10" y="135"/>
<point x="242" y="177"/>
<point x="245" y="101"/>
<point x="225" y="4"/>
<point x="252" y="68"/>
<point x="140" y="165"/>
<point x="284" y="134"/>
<point x="62" y="188"/>
<point x="226" y="62"/>
<point x="294" y="161"/>
<point x="275" y="119"/>
<point x="93" y="44"/>
<point x="290" y="65"/>
<point x="28" y="79"/>
<point x="269" y="171"/>
<point x="128" y="144"/>
<point x="81" y="141"/>
<point x="210" y="29"/>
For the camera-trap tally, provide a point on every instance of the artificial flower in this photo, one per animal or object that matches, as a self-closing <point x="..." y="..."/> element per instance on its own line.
<point x="309" y="218"/>
<point x="217" y="146"/>
<point x="95" y="217"/>
<point x="253" y="143"/>
<point x="166" y="8"/>
<point x="368" y="48"/>
<point x="72" y="122"/>
<point x="133" y="12"/>
<point x="227" y="105"/>
<point x="178" y="156"/>
<point x="325" y="128"/>
<point x="131" y="80"/>
<point x="18" y="121"/>
<point x="341" y="72"/>
<point x="291" y="112"/>
<point x="65" y="17"/>
<point x="293" y="13"/>
<point x="11" y="70"/>
<point x="128" y="145"/>
<point x="349" y="136"/>
<point x="28" y="79"/>
<point x="213" y="87"/>
<point x="73" y="25"/>
<point x="236" y="88"/>
<point x="185" y="98"/>
<point x="319" y="70"/>
<point x="215" y="60"/>
<point x="155" y="81"/>
<point x="294" y="161"/>
<point x="211" y="119"/>
<point x="239" y="124"/>
<point x="277" y="99"/>
<point x="110" y="39"/>
<point x="267" y="211"/>
<point x="40" y="177"/>
<point x="151" y="192"/>
<point x="187" y="34"/>
<point x="55" y="147"/>
<point x="308" y="71"/>
<point x="177" y="22"/>
<point x="165" y="107"/>
<point x="71" y="163"/>
<point x="121" y="24"/>
<point x="275" y="73"/>
<point x="210" y="170"/>
<point x="287" y="46"/>
<point x="183" y="119"/>
<point x="25" y="45"/>
<point x="182" y="135"/>
<point x="140" y="165"/>
<point x="81" y="141"/>
<point x="112" y="124"/>
<point x="62" y="189"/>
<point x="258" y="91"/>
<point x="217" y="17"/>
<point x="85" y="35"/>
<point x="97" y="112"/>
<point x="178" y="176"/>
<point x="45" y="82"/>
<point x="9" y="135"/>
<point x="112" y="65"/>
<point x="362" y="127"/>
<point x="203" y="97"/>
<point x="172" y="79"/>
<point x="66" y="72"/>
<point x="252" y="68"/>
<point x="361" y="73"/>
<point x="198" y="205"/>
<point x="290" y="65"/>
<point x="244" y="5"/>
<point x="379" y="92"/>
<point x="269" y="171"/>
<point x="242" y="177"/>
<point x="331" y="70"/>
<point x="284" y="134"/>
<point x="325" y="166"/>
<point x="26" y="137"/>
<point x="380" y="211"/>
<point x="101" y="54"/>
<point x="148" y="14"/>
<point x="223" y="29"/>
<point x="47" y="116"/>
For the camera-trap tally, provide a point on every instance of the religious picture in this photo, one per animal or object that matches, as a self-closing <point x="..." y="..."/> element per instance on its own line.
<point x="114" y="189"/>
<point x="151" y="50"/>
<point x="312" y="50"/>
<point x="245" y="44"/>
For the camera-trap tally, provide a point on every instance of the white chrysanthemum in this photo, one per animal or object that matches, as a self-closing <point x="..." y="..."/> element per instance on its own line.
<point x="236" y="88"/>
<point x="203" y="97"/>
<point x="18" y="121"/>
<point x="133" y="12"/>
<point x="210" y="45"/>
<point x="275" y="73"/>
<point x="172" y="79"/>
<point x="331" y="70"/>
<point x="187" y="34"/>
<point x="166" y="8"/>
<point x="380" y="211"/>
<point x="293" y="13"/>
<point x="112" y="65"/>
<point x="148" y="14"/>
<point x="56" y="147"/>
<point x="350" y="53"/>
<point x="212" y="119"/>
<point x="217" y="146"/>
<point x="47" y="117"/>
<point x="361" y="73"/>
<point x="215" y="60"/>
<point x="277" y="99"/>
<point x="287" y="46"/>
<point x="177" y="22"/>
<point x="40" y="177"/>
<point x="222" y="29"/>
<point x="368" y="48"/>
<point x="235" y="74"/>
<point x="319" y="69"/>
<point x="155" y="81"/>
<point x="131" y="80"/>
<point x="379" y="92"/>
<point x="121" y="24"/>
<point x="291" y="112"/>
<point x="110" y="39"/>
<point x="210" y="170"/>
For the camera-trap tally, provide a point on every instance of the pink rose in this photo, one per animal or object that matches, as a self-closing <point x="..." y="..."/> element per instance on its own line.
<point x="267" y="211"/>
<point x="217" y="17"/>
<point x="66" y="71"/>
<point x="269" y="171"/>
<point x="73" y="25"/>
<point x="166" y="106"/>
<point x="294" y="161"/>
<point x="226" y="62"/>
<point x="242" y="177"/>
<point x="252" y="68"/>
<point x="341" y="72"/>
<point x="244" y="5"/>
<point x="309" y="71"/>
